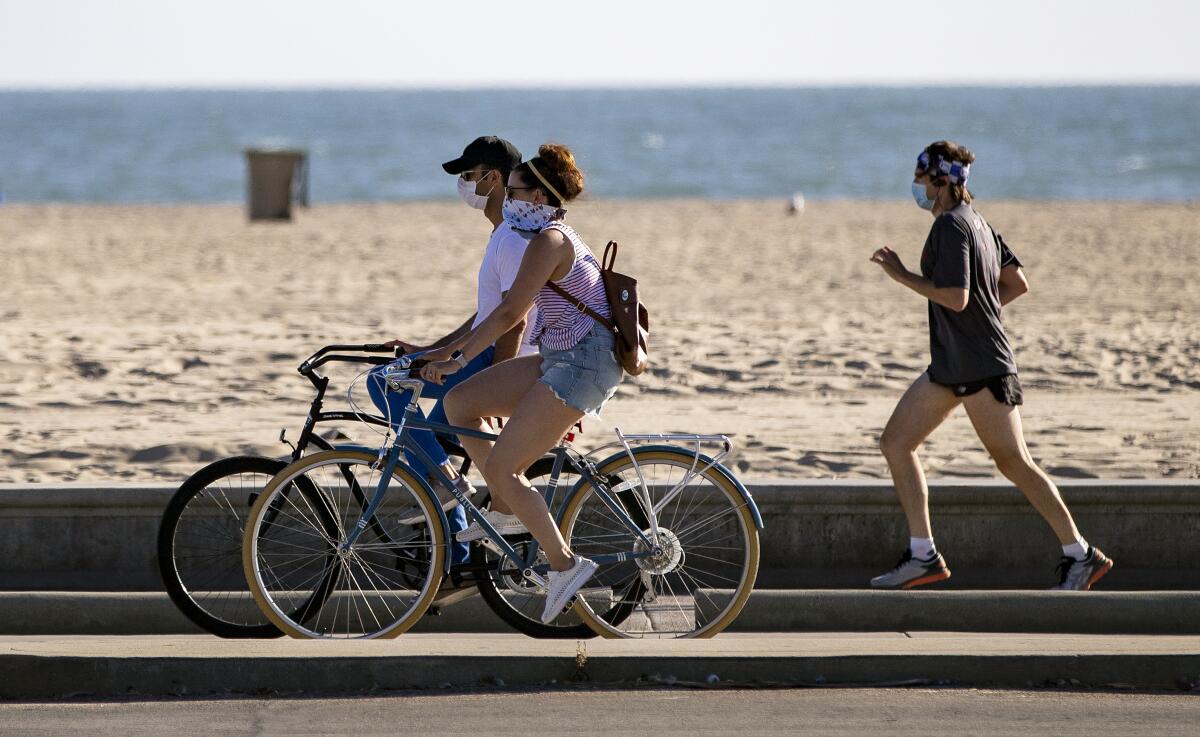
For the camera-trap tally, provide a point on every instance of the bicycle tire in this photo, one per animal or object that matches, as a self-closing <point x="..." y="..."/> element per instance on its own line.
<point x="213" y="614"/>
<point x="280" y="570"/>
<point x="661" y="607"/>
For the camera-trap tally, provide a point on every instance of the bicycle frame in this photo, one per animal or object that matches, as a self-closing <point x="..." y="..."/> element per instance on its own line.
<point x="399" y="381"/>
<point x="308" y="370"/>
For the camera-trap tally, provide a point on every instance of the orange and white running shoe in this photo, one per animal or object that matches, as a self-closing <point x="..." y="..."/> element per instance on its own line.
<point x="910" y="572"/>
<point x="1080" y="575"/>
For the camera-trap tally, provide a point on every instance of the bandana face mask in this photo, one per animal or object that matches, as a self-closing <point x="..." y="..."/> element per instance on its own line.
<point x="529" y="216"/>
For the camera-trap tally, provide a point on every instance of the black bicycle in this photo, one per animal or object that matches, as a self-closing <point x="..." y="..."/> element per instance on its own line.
<point x="200" y="537"/>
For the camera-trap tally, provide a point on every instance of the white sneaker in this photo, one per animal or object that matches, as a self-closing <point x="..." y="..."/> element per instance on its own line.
<point x="562" y="585"/>
<point x="447" y="499"/>
<point x="505" y="524"/>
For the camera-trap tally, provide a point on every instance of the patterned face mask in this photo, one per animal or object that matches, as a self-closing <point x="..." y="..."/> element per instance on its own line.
<point x="529" y="216"/>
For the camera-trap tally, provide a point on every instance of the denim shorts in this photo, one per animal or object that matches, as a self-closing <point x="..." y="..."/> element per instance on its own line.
<point x="586" y="375"/>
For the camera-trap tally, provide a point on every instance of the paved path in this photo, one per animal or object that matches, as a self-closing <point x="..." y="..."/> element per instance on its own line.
<point x="646" y="711"/>
<point x="37" y="667"/>
<point x="768" y="610"/>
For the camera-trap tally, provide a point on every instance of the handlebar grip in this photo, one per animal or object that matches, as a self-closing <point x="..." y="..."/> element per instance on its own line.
<point x="376" y="348"/>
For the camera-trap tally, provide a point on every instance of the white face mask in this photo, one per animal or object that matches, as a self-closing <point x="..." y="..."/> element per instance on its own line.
<point x="466" y="191"/>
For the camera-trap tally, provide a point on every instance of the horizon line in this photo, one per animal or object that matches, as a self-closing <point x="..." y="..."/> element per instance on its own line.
<point x="597" y="86"/>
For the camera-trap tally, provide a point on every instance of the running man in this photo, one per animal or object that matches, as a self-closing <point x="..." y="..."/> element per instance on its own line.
<point x="967" y="274"/>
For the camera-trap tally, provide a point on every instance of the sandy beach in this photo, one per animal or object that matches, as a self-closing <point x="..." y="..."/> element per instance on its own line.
<point x="137" y="343"/>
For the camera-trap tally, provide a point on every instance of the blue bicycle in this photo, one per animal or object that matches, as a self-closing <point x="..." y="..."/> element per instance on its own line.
<point x="674" y="532"/>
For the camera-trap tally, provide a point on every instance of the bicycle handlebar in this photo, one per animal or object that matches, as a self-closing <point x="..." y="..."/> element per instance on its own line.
<point x="321" y="357"/>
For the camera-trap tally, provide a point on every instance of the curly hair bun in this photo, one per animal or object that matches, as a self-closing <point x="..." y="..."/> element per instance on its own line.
<point x="557" y="163"/>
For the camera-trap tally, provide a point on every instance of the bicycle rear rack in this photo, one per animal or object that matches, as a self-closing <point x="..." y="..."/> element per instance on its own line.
<point x="697" y="442"/>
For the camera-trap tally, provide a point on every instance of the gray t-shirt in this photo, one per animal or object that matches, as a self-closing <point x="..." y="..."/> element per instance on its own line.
<point x="962" y="250"/>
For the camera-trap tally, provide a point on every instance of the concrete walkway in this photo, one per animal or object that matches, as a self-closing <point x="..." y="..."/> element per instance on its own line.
<point x="624" y="712"/>
<point x="1093" y="612"/>
<point x="46" y="667"/>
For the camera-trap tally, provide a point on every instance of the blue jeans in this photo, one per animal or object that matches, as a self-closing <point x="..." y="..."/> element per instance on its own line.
<point x="395" y="402"/>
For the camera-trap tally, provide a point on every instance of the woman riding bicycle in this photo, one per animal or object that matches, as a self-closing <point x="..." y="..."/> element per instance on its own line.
<point x="543" y="396"/>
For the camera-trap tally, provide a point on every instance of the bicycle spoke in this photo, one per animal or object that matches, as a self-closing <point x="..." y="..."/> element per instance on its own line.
<point x="374" y="585"/>
<point x="703" y="544"/>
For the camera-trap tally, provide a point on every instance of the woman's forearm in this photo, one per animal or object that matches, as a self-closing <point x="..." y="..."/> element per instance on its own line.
<point x="502" y="319"/>
<point x="456" y="336"/>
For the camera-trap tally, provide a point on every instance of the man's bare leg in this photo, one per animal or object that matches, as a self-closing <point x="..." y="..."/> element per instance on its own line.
<point x="920" y="411"/>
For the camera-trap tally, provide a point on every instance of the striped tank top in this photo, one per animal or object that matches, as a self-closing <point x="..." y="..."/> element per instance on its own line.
<point x="559" y="325"/>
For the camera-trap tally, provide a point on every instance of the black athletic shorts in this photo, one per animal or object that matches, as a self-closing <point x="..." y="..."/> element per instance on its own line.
<point x="1006" y="388"/>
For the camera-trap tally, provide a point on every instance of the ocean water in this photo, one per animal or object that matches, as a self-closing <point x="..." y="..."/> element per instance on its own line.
<point x="1128" y="143"/>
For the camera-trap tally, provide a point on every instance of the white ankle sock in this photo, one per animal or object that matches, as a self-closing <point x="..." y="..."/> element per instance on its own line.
<point x="1077" y="550"/>
<point x="922" y="547"/>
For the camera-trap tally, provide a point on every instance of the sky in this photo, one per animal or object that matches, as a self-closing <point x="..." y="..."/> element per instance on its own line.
<point x="604" y="43"/>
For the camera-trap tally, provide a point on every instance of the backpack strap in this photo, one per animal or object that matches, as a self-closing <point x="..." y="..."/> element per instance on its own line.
<point x="579" y="305"/>
<point x="608" y="263"/>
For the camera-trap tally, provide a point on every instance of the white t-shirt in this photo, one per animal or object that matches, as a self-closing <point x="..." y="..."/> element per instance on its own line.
<point x="501" y="261"/>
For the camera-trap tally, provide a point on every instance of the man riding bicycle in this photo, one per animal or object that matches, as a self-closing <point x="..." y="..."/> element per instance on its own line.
<point x="482" y="172"/>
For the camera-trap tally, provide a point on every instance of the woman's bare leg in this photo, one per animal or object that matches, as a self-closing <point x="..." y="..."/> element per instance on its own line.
<point x="493" y="392"/>
<point x="534" y="426"/>
<point x="999" y="427"/>
<point x="922" y="408"/>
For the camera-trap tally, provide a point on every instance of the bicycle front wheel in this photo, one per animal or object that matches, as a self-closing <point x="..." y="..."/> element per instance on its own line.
<point x="708" y="547"/>
<point x="294" y="549"/>
<point x="200" y="546"/>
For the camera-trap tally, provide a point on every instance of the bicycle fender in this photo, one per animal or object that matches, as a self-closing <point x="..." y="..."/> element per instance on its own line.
<point x="703" y="460"/>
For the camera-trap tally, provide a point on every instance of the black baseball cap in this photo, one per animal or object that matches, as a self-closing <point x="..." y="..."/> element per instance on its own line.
<point x="487" y="150"/>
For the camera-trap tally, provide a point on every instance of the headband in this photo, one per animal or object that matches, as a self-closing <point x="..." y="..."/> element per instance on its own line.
<point x="561" y="200"/>
<point x="956" y="171"/>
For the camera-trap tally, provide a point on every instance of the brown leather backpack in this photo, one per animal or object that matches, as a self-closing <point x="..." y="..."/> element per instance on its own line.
<point x="631" y="321"/>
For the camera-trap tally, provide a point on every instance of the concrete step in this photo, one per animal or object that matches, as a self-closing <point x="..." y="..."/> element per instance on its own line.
<point x="818" y="534"/>
<point x="50" y="667"/>
<point x="1094" y="612"/>
<point x="1081" y="612"/>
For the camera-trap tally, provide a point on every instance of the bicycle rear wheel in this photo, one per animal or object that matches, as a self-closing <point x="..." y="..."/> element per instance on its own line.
<point x="292" y="551"/>
<point x="200" y="546"/>
<point x="709" y="548"/>
<point x="506" y="591"/>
